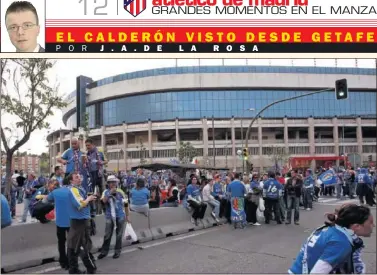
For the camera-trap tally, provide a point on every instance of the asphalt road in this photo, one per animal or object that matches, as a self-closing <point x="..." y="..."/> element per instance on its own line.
<point x="255" y="249"/>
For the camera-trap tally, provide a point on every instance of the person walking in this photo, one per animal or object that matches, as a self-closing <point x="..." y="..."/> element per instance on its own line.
<point x="79" y="241"/>
<point x="308" y="190"/>
<point x="60" y="197"/>
<point x="116" y="214"/>
<point x="29" y="189"/>
<point x="293" y="189"/>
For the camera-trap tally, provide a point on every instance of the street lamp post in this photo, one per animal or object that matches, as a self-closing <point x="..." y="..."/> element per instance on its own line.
<point x="119" y="153"/>
<point x="242" y="136"/>
<point x="276" y="102"/>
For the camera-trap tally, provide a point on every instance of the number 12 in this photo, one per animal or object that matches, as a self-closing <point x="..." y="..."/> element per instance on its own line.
<point x="96" y="12"/>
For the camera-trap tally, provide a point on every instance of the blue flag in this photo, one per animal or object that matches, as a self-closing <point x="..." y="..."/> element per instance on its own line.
<point x="328" y="178"/>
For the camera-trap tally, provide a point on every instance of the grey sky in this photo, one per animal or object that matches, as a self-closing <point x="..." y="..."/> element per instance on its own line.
<point x="66" y="70"/>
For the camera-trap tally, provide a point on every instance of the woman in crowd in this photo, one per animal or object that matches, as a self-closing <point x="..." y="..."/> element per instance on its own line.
<point x="195" y="201"/>
<point x="139" y="197"/>
<point x="252" y="200"/>
<point x="336" y="246"/>
<point x="172" y="200"/>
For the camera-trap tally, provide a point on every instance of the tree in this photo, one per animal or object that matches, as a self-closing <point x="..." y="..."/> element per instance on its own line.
<point x="29" y="98"/>
<point x="142" y="152"/>
<point x="85" y="127"/>
<point x="44" y="163"/>
<point x="278" y="156"/>
<point x="186" y="152"/>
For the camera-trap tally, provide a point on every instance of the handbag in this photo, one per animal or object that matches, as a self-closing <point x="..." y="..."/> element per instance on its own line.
<point x="261" y="204"/>
<point x="129" y="233"/>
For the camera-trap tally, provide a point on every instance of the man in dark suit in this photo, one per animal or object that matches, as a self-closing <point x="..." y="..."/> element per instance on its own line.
<point x="22" y="23"/>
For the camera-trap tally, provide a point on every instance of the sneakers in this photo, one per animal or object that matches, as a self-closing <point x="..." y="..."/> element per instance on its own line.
<point x="214" y="216"/>
<point x="256" y="224"/>
<point x="308" y="209"/>
<point x="101" y="256"/>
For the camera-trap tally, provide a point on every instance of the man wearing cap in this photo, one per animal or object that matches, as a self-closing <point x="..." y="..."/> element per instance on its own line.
<point x="116" y="213"/>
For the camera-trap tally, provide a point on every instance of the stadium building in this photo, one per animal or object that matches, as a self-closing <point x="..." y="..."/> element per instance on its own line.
<point x="147" y="114"/>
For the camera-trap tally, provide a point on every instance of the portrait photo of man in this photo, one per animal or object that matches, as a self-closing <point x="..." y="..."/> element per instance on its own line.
<point x="23" y="26"/>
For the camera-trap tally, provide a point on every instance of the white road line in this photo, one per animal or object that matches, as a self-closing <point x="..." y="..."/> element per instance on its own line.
<point x="57" y="267"/>
<point x="178" y="238"/>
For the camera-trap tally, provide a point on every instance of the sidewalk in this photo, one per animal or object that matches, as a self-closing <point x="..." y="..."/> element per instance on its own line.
<point x="19" y="212"/>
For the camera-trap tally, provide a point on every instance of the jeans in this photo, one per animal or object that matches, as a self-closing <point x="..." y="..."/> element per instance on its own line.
<point x="283" y="207"/>
<point x="120" y="226"/>
<point x="144" y="209"/>
<point x="61" y="233"/>
<point x="20" y="195"/>
<point x="13" y="202"/>
<point x="339" y="191"/>
<point x="308" y="198"/>
<point x="223" y="203"/>
<point x="351" y="189"/>
<point x="293" y="202"/>
<point x="26" y="209"/>
<point x="170" y="204"/>
<point x="215" y="205"/>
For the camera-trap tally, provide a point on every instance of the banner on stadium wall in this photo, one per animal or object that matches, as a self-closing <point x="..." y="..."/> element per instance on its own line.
<point x="206" y="26"/>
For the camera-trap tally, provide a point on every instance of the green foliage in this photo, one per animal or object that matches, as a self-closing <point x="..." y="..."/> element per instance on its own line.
<point x="186" y="152"/>
<point x="142" y="153"/>
<point x="29" y="98"/>
<point x="44" y="163"/>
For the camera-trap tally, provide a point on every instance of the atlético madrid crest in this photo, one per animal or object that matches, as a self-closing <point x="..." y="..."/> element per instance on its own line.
<point x="135" y="7"/>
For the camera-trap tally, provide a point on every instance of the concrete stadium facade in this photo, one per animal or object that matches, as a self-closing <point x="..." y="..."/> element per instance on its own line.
<point x="162" y="107"/>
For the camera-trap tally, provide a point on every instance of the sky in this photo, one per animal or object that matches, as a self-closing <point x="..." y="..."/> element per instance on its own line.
<point x="65" y="72"/>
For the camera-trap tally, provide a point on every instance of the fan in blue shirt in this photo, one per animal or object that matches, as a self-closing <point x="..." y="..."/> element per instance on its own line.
<point x="6" y="219"/>
<point x="61" y="197"/>
<point x="336" y="247"/>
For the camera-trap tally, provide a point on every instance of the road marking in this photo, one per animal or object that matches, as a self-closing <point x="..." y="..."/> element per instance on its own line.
<point x="125" y="251"/>
<point x="335" y="201"/>
<point x="179" y="238"/>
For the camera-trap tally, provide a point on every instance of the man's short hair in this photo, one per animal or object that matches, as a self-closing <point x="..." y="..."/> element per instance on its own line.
<point x="271" y="174"/>
<point x="89" y="140"/>
<point x="18" y="6"/>
<point x="70" y="176"/>
<point x="56" y="168"/>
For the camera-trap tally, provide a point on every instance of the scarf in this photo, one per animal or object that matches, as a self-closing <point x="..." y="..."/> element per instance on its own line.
<point x="76" y="160"/>
<point x="113" y="207"/>
<point x="99" y="164"/>
<point x="358" y="245"/>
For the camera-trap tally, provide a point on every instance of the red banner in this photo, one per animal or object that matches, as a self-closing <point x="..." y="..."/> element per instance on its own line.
<point x="210" y="35"/>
